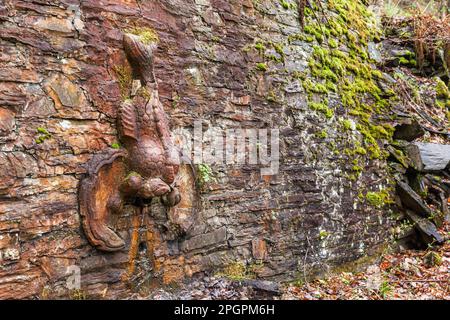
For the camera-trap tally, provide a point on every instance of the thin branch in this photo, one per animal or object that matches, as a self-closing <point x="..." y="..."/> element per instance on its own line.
<point x="420" y="280"/>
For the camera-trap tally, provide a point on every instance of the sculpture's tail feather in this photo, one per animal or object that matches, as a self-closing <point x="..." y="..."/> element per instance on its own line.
<point x="105" y="172"/>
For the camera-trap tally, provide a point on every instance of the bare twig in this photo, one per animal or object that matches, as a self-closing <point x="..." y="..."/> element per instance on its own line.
<point x="419" y="280"/>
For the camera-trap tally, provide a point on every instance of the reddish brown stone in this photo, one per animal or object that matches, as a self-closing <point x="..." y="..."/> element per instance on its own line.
<point x="7" y="121"/>
<point x="259" y="249"/>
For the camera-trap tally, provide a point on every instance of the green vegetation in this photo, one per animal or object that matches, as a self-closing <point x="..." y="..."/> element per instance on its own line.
<point x="442" y="91"/>
<point x="43" y="135"/>
<point x="323" y="234"/>
<point x="323" y="108"/>
<point x="261" y="66"/>
<point x="285" y="4"/>
<point x="78" y="294"/>
<point x="239" y="271"/>
<point x="322" y="134"/>
<point x="132" y="174"/>
<point x="385" y="289"/>
<point x="347" y="124"/>
<point x="433" y="259"/>
<point x="146" y="35"/>
<point x="379" y="199"/>
<point x="125" y="79"/>
<point x="260" y="47"/>
<point x="205" y="174"/>
<point x="271" y="96"/>
<point x="348" y="72"/>
<point x="288" y="5"/>
<point x="176" y="101"/>
<point x="442" y="94"/>
<point x="263" y="47"/>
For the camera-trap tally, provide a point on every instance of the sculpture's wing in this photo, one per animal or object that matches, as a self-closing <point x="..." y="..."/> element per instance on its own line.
<point x="184" y="213"/>
<point x="127" y="120"/>
<point x="185" y="159"/>
<point x="99" y="197"/>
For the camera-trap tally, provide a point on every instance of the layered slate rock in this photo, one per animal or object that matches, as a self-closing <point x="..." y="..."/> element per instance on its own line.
<point x="64" y="73"/>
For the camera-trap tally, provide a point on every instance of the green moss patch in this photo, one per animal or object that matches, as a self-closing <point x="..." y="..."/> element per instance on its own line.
<point x="340" y="64"/>
<point x="42" y="135"/>
<point x="379" y="199"/>
<point x="146" y="35"/>
<point x="125" y="79"/>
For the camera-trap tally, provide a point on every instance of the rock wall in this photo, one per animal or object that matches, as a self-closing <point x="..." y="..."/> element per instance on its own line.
<point x="231" y="64"/>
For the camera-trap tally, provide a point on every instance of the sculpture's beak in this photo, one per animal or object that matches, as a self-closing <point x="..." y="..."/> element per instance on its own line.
<point x="140" y="56"/>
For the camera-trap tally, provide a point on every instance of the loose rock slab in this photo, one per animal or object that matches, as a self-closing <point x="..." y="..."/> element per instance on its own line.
<point x="412" y="200"/>
<point x="420" y="212"/>
<point x="429" y="157"/>
<point x="426" y="227"/>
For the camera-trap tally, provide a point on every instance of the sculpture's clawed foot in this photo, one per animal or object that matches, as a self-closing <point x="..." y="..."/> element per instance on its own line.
<point x="153" y="188"/>
<point x="105" y="238"/>
<point x="172" y="198"/>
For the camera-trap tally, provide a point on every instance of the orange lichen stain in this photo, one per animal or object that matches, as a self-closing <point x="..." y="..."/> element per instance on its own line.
<point x="193" y="266"/>
<point x="134" y="245"/>
<point x="153" y="240"/>
<point x="267" y="179"/>
<point x="173" y="270"/>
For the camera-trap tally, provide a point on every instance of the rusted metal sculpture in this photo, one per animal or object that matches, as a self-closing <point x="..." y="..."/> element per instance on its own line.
<point x="145" y="168"/>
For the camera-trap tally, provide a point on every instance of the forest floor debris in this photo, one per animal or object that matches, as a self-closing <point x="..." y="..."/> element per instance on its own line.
<point x="409" y="275"/>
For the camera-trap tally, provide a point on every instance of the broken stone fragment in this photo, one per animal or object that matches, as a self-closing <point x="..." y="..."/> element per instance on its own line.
<point x="399" y="56"/>
<point x="426" y="228"/>
<point x="420" y="213"/>
<point x="204" y="240"/>
<point x="441" y="187"/>
<point x="54" y="24"/>
<point x="441" y="182"/>
<point x="9" y="247"/>
<point x="69" y="99"/>
<point x="432" y="259"/>
<point x="418" y="184"/>
<point x="401" y="53"/>
<point x="263" y="285"/>
<point x="398" y="167"/>
<point x="412" y="200"/>
<point x="66" y="92"/>
<point x="429" y="157"/>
